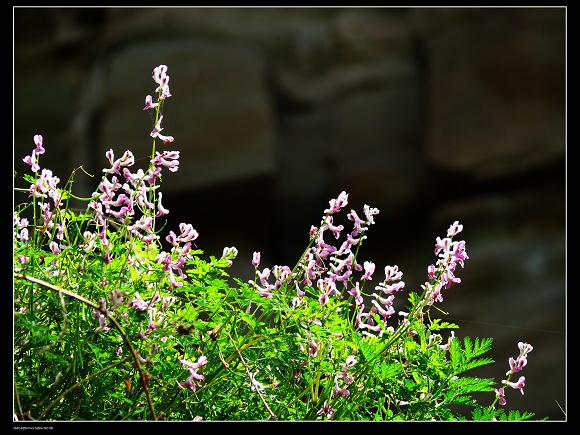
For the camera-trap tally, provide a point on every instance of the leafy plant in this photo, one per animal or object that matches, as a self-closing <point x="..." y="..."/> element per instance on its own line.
<point x="112" y="322"/>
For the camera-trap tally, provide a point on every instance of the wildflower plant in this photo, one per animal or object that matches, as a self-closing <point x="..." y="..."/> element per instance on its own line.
<point x="119" y="316"/>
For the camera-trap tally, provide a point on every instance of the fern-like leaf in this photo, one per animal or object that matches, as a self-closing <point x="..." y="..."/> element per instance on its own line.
<point x="466" y="358"/>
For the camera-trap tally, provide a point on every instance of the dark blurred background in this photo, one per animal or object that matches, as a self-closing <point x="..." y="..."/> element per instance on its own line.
<point x="430" y="114"/>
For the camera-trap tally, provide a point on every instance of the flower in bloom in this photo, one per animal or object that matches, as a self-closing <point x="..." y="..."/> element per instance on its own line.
<point x="386" y="312"/>
<point x="297" y="301"/>
<point x="38" y="141"/>
<point x="442" y="244"/>
<point x="341" y="392"/>
<point x="160" y="209"/>
<point x="149" y="104"/>
<point x="54" y="247"/>
<point x="519" y="385"/>
<point x="336" y="229"/>
<point x="187" y="233"/>
<point x="525" y="348"/>
<point x="337" y="204"/>
<point x="454" y="229"/>
<point x="46" y="184"/>
<point x="369" y="267"/>
<point x="516" y="365"/>
<point x="448" y="344"/>
<point x="126" y="160"/>
<point x="392" y="273"/>
<point x="326" y="409"/>
<point x="520" y="362"/>
<point x="169" y="159"/>
<point x="32" y="160"/>
<point x="22" y="259"/>
<point x="350" y="361"/>
<point x="355" y="292"/>
<point x="500" y="396"/>
<point x="162" y="79"/>
<point x="157" y="132"/>
<point x="193" y="367"/>
<point x="138" y="303"/>
<point x="256" y="259"/>
<point x="21" y="225"/>
<point x="313" y="348"/>
<point x="369" y="212"/>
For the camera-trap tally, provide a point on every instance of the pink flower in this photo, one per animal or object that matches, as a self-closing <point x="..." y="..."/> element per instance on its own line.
<point x="454" y="229"/>
<point x="256" y="259"/>
<point x="369" y="270"/>
<point x="160" y="76"/>
<point x="193" y="367"/>
<point x="500" y="396"/>
<point x="517" y="364"/>
<point x="337" y="204"/>
<point x="519" y="385"/>
<point x="149" y="104"/>
<point x="31" y="160"/>
<point x="326" y="409"/>
<point x="38" y="141"/>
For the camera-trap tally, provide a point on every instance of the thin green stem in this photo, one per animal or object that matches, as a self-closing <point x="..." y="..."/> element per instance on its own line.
<point x="78" y="384"/>
<point x="142" y="374"/>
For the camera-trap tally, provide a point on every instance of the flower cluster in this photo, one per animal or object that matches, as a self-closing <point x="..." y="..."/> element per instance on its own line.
<point x="450" y="253"/>
<point x="45" y="185"/>
<point x="330" y="269"/>
<point x="320" y="334"/>
<point x="193" y="374"/>
<point x="120" y="195"/>
<point x="162" y="79"/>
<point x="516" y="365"/>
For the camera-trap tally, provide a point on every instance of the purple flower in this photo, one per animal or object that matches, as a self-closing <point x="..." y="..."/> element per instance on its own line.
<point x="520" y="362"/>
<point x="193" y="367"/>
<point x="337" y="204"/>
<point x="149" y="104"/>
<point x="336" y="229"/>
<point x="355" y="292"/>
<point x="525" y="348"/>
<point x="519" y="385"/>
<point x="326" y="409"/>
<point x="256" y="259"/>
<point x="454" y="229"/>
<point x="517" y="364"/>
<point x="369" y="267"/>
<point x="38" y="141"/>
<point x="500" y="396"/>
<point x="187" y="233"/>
<point x="341" y="392"/>
<point x="156" y="132"/>
<point x="160" y="76"/>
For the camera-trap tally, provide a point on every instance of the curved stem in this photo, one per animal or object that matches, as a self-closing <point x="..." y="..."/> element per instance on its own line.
<point x="142" y="374"/>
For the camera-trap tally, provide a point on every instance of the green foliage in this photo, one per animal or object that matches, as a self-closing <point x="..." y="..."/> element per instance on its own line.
<point x="112" y="324"/>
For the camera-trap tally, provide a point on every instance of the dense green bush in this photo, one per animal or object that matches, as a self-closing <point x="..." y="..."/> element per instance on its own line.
<point x="113" y="323"/>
